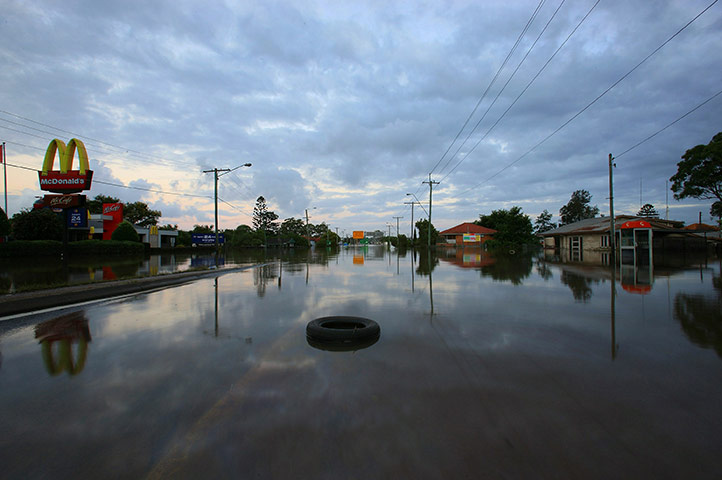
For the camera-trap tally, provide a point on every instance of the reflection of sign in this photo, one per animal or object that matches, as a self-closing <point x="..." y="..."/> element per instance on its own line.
<point x="114" y="210"/>
<point x="57" y="337"/>
<point x="78" y="218"/>
<point x="472" y="237"/>
<point x="65" y="180"/>
<point x="207" y="261"/>
<point x="206" y="238"/>
<point x="358" y="259"/>
<point x="358" y="235"/>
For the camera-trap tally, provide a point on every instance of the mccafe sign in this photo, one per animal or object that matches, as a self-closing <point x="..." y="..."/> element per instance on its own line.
<point x="65" y="180"/>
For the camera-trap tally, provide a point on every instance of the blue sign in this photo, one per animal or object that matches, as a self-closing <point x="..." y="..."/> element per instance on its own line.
<point x="207" y="238"/>
<point x="77" y="217"/>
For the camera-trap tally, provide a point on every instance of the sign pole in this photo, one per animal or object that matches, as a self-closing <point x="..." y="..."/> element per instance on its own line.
<point x="3" y="159"/>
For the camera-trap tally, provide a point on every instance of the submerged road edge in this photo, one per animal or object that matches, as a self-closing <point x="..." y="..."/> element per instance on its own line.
<point x="25" y="302"/>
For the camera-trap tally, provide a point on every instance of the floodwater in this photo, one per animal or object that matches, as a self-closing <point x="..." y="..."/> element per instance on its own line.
<point x="45" y="272"/>
<point x="507" y="367"/>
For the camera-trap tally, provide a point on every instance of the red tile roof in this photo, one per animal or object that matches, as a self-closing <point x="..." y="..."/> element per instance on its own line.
<point x="468" y="228"/>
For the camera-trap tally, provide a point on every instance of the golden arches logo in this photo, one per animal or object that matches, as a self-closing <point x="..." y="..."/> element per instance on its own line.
<point x="154" y="230"/>
<point x="65" y="180"/>
<point x="67" y="153"/>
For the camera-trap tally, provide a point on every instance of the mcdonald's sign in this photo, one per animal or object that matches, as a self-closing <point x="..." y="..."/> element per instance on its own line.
<point x="65" y="180"/>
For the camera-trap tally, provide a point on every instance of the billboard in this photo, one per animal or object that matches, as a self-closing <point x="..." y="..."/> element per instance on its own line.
<point x="207" y="238"/>
<point x="472" y="237"/>
<point x="358" y="234"/>
<point x="115" y="210"/>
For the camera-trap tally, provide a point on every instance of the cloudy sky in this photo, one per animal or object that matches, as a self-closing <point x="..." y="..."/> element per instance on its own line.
<point x="349" y="106"/>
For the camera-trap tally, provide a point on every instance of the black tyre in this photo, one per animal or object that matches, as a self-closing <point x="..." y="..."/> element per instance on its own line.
<point x="342" y="329"/>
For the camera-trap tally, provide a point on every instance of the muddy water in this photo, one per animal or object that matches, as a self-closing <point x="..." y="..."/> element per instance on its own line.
<point x="506" y="367"/>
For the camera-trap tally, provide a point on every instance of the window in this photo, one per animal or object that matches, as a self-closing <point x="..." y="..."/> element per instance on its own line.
<point x="604" y="241"/>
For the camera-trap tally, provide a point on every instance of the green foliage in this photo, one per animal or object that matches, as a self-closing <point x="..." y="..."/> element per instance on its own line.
<point x="41" y="224"/>
<point x="106" y="247"/>
<point x="264" y="219"/>
<point x="30" y="248"/>
<point x="244" y="236"/>
<point x="513" y="228"/>
<point x="578" y="208"/>
<point x="125" y="233"/>
<point x="648" y="211"/>
<point x="202" y="229"/>
<point x="138" y="213"/>
<point x="423" y="227"/>
<point x="96" y="204"/>
<point x="4" y="224"/>
<point x="293" y="226"/>
<point x="543" y="222"/>
<point x="40" y="248"/>
<point x="184" y="238"/>
<point x="699" y="174"/>
<point x="716" y="211"/>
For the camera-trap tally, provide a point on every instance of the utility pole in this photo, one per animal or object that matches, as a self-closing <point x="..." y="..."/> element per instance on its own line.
<point x="397" y="225"/>
<point x="215" y="175"/>
<point x="612" y="237"/>
<point x="431" y="186"/>
<point x="4" y="161"/>
<point x="413" y="231"/>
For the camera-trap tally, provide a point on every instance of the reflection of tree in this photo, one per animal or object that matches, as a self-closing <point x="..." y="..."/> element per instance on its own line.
<point x="56" y="339"/>
<point x="579" y="285"/>
<point x="427" y="262"/>
<point x="543" y="270"/>
<point x="510" y="268"/>
<point x="701" y="319"/>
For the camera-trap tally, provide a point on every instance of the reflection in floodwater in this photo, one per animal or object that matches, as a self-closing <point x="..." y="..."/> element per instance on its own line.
<point x="342" y="347"/>
<point x="701" y="316"/>
<point x="511" y="268"/>
<point x="580" y="285"/>
<point x="57" y="338"/>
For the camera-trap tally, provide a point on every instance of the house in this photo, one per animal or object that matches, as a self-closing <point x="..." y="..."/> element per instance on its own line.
<point x="467" y="235"/>
<point x="588" y="240"/>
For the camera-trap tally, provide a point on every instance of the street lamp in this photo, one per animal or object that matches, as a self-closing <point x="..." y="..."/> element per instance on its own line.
<point x="216" y="175"/>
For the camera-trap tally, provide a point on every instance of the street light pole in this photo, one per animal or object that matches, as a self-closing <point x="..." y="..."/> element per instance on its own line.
<point x="215" y="175"/>
<point x="431" y="186"/>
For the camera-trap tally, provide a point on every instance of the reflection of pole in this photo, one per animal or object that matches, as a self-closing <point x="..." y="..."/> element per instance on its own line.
<point x="431" y="289"/>
<point x="612" y="238"/>
<point x="613" y="295"/>
<point x="413" y="256"/>
<point x="216" y="288"/>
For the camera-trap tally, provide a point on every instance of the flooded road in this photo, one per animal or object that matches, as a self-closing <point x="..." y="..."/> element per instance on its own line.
<point x="508" y="367"/>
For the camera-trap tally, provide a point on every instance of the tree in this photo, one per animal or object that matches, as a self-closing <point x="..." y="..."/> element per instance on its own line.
<point x="512" y="226"/>
<point x="138" y="213"/>
<point x="543" y="222"/>
<point x="96" y="204"/>
<point x="423" y="227"/>
<point x="294" y="226"/>
<point x="202" y="229"/>
<point x="4" y="224"/>
<point x="125" y="232"/>
<point x="40" y="224"/>
<point x="578" y="208"/>
<point x="648" y="211"/>
<point x="264" y="219"/>
<point x="699" y="174"/>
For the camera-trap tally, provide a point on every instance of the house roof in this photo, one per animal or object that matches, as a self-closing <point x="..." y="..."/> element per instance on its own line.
<point x="601" y="225"/>
<point x="701" y="227"/>
<point x="468" y="228"/>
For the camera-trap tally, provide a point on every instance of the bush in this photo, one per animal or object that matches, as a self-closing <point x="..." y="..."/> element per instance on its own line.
<point x="125" y="232"/>
<point x="39" y="248"/>
<point x="41" y="224"/>
<point x="31" y="248"/>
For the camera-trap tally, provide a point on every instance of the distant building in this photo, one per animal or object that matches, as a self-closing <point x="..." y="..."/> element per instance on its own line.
<point x="467" y="234"/>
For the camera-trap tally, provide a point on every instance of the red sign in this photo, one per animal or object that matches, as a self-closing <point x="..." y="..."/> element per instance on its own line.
<point x="70" y="182"/>
<point x="60" y="201"/>
<point x="114" y="210"/>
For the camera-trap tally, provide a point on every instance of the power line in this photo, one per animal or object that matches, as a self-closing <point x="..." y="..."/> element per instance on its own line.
<point x="670" y="124"/>
<point x="508" y="56"/>
<point x="488" y="109"/>
<point x="524" y="90"/>
<point x="590" y="103"/>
